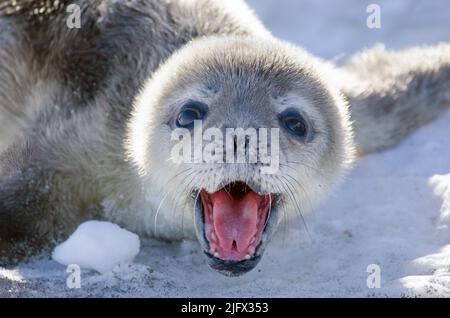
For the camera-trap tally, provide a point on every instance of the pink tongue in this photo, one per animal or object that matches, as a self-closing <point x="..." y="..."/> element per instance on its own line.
<point x="235" y="220"/>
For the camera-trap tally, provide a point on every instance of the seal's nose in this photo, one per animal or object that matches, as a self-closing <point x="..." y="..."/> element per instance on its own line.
<point x="245" y="146"/>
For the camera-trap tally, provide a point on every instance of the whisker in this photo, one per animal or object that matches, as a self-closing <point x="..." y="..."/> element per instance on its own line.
<point x="292" y="195"/>
<point x="281" y="189"/>
<point x="195" y="204"/>
<point x="185" y="191"/>
<point x="164" y="198"/>
<point x="310" y="205"/>
<point x="270" y="211"/>
<point x="305" y="165"/>
<point x="157" y="212"/>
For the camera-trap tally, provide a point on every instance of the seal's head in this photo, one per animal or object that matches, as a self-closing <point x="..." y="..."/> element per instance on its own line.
<point x="239" y="133"/>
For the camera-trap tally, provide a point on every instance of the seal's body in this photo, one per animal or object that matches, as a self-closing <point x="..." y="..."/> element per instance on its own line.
<point x="87" y="116"/>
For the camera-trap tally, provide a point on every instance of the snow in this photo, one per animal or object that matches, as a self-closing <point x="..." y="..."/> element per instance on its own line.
<point x="441" y="185"/>
<point x="392" y="211"/>
<point x="99" y="246"/>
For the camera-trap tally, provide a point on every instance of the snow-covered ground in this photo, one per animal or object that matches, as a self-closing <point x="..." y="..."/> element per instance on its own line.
<point x="393" y="210"/>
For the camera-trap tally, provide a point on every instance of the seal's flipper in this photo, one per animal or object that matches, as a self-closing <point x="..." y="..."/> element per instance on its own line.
<point x="393" y="93"/>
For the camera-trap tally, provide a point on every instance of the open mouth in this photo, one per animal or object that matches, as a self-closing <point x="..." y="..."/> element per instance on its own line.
<point x="234" y="225"/>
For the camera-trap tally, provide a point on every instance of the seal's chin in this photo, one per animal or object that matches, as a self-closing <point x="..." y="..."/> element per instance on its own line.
<point x="234" y="225"/>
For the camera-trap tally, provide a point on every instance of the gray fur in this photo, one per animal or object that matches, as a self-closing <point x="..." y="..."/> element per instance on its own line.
<point x="73" y="102"/>
<point x="391" y="94"/>
<point x="90" y="80"/>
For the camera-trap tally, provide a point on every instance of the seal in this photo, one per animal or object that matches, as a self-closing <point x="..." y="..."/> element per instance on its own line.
<point x="262" y="84"/>
<point x="122" y="120"/>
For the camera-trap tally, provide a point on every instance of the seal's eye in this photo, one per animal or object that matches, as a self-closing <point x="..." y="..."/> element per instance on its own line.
<point x="294" y="123"/>
<point x="190" y="112"/>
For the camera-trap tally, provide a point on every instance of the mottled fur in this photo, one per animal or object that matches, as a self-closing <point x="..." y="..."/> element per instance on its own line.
<point x="81" y="108"/>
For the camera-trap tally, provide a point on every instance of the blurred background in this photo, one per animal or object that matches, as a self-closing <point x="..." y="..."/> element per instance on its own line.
<point x="337" y="29"/>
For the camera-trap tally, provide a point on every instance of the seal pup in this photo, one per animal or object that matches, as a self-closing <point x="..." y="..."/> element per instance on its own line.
<point x="91" y="113"/>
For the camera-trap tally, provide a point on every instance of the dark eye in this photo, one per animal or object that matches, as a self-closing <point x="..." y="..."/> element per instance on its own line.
<point x="190" y="112"/>
<point x="294" y="123"/>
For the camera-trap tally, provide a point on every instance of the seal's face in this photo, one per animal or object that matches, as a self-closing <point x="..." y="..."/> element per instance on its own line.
<point x="239" y="134"/>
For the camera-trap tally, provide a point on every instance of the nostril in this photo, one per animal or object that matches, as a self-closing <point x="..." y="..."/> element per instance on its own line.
<point x="246" y="145"/>
<point x="241" y="145"/>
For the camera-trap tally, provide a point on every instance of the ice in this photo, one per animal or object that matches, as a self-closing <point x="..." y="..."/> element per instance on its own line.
<point x="99" y="246"/>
